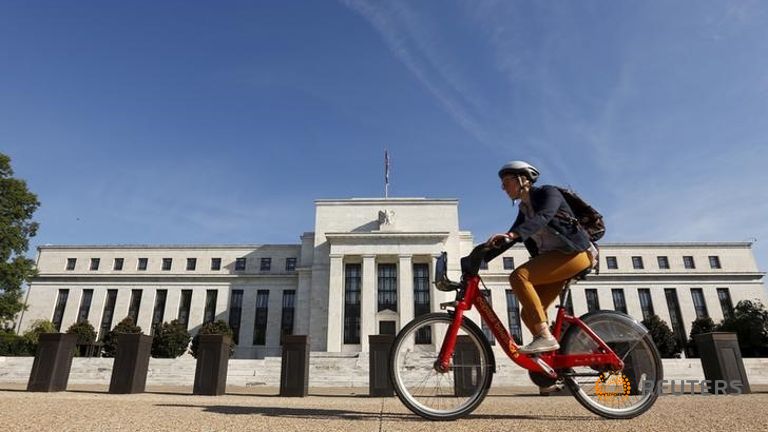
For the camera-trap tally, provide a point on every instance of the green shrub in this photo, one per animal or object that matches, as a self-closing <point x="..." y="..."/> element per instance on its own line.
<point x="170" y="340"/>
<point x="750" y="323"/>
<point x="38" y="327"/>
<point x="699" y="326"/>
<point x="86" y="335"/>
<point x="665" y="340"/>
<point x="216" y="327"/>
<point x="14" y="345"/>
<point x="85" y="332"/>
<point x="110" y="339"/>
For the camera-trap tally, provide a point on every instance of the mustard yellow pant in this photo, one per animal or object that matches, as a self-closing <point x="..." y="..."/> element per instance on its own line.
<point x="538" y="282"/>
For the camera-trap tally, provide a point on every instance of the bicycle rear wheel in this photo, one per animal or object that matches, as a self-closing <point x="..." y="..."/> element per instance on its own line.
<point x="434" y="394"/>
<point x="608" y="393"/>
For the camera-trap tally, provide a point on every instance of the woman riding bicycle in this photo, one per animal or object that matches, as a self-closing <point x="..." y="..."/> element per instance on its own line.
<point x="559" y="249"/>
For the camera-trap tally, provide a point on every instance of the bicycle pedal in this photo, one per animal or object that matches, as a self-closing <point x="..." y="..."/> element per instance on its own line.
<point x="544" y="366"/>
<point x="551" y="388"/>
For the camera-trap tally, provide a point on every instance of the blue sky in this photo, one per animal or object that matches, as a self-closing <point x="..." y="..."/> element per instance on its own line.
<point x="221" y="122"/>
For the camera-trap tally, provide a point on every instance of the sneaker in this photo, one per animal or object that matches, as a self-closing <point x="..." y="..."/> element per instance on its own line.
<point x="540" y="344"/>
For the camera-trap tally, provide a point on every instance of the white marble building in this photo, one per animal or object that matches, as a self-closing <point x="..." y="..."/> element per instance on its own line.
<point x="365" y="269"/>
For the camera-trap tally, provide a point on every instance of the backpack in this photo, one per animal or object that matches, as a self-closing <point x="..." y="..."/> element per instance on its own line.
<point x="586" y="216"/>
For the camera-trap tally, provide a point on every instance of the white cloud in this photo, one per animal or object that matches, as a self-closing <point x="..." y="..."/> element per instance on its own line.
<point x="409" y="37"/>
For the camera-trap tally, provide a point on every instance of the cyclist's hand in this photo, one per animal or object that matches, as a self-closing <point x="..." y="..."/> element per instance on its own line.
<point x="497" y="240"/>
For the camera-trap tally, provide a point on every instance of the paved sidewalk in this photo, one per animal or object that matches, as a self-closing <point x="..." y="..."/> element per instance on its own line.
<point x="175" y="409"/>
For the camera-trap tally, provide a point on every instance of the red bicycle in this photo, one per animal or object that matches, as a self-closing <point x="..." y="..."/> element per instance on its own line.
<point x="442" y="364"/>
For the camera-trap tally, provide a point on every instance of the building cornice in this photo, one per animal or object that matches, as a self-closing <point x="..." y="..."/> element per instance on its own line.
<point x="656" y="277"/>
<point x="170" y="246"/>
<point x="677" y="245"/>
<point x="199" y="278"/>
<point x="384" y="201"/>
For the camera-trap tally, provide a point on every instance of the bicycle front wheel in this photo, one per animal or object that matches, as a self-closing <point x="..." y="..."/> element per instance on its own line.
<point x="609" y="393"/>
<point x="435" y="394"/>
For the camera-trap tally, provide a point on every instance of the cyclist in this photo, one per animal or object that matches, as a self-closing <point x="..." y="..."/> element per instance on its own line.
<point x="559" y="249"/>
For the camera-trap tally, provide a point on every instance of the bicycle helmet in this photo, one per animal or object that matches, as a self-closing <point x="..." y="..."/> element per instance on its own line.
<point x="520" y="168"/>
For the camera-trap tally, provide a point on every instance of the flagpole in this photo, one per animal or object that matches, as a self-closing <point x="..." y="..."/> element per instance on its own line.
<point x="386" y="174"/>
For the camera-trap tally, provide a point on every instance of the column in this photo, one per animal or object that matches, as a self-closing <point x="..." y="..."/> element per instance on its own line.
<point x="405" y="289"/>
<point x="368" y="301"/>
<point x="435" y="297"/>
<point x="335" y="331"/>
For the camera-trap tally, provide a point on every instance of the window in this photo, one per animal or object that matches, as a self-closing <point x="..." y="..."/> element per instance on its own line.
<point x="191" y="264"/>
<point x="387" y="287"/>
<point x="286" y="321"/>
<point x="509" y="263"/>
<point x="714" y="262"/>
<point x="352" y="288"/>
<point x="118" y="265"/>
<point x="167" y="262"/>
<point x="266" y="264"/>
<point x="483" y="265"/>
<point x="61" y="304"/>
<point x="85" y="305"/>
<point x="611" y="262"/>
<point x="290" y="264"/>
<point x="215" y="264"/>
<point x="387" y="328"/>
<point x="260" y="321"/>
<point x="71" y="263"/>
<point x="240" y="264"/>
<point x="184" y="304"/>
<point x="646" y="303"/>
<point x="688" y="262"/>
<point x="513" y="316"/>
<point x="421" y="300"/>
<point x="724" y="295"/>
<point x="133" y="308"/>
<point x="663" y="262"/>
<point x="108" y="313"/>
<point x="699" y="304"/>
<point x="593" y="303"/>
<point x="142" y="264"/>
<point x="637" y="263"/>
<point x="487" y="330"/>
<point x="235" y="312"/>
<point x="210" y="305"/>
<point x="158" y="313"/>
<point x="678" y="328"/>
<point x="95" y="264"/>
<point x="619" y="303"/>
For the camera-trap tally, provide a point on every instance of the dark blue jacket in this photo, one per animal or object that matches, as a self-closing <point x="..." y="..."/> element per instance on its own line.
<point x="551" y="211"/>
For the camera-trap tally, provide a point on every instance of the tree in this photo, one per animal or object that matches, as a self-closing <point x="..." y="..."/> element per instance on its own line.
<point x="110" y="340"/>
<point x="85" y="332"/>
<point x="170" y="340"/>
<point x="17" y="205"/>
<point x="216" y="327"/>
<point x="38" y="327"/>
<point x="699" y="326"/>
<point x="663" y="337"/>
<point x="750" y="323"/>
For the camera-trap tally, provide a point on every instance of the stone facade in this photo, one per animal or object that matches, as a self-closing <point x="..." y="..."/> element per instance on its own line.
<point x="353" y="242"/>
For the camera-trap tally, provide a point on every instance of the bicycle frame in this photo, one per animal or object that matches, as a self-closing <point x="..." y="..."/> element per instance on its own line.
<point x="546" y="363"/>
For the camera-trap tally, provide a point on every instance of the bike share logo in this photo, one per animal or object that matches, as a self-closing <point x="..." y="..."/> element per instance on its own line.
<point x="613" y="387"/>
